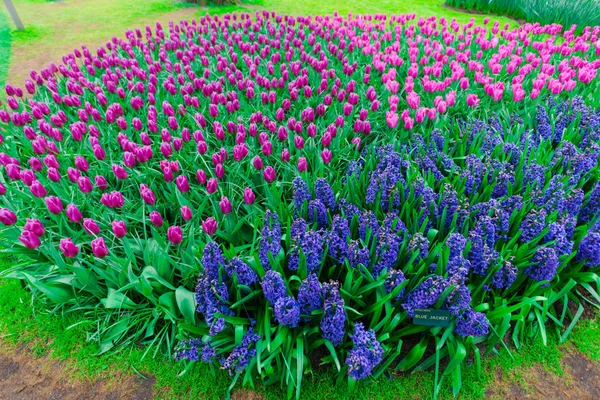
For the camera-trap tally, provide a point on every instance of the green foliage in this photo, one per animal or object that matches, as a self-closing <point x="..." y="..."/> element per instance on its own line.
<point x="565" y="12"/>
<point x="5" y="41"/>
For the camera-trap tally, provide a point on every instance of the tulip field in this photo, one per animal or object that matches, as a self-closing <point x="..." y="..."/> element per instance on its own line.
<point x="273" y="194"/>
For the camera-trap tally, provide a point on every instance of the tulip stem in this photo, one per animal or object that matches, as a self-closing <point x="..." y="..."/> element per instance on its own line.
<point x="13" y="14"/>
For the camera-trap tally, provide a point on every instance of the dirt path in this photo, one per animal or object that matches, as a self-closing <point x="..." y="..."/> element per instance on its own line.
<point x="26" y="377"/>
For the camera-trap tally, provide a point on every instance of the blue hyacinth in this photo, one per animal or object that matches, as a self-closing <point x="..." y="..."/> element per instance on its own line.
<point x="334" y="318"/>
<point x="366" y="354"/>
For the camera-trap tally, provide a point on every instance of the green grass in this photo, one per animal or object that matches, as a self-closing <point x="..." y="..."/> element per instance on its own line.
<point x="5" y="40"/>
<point x="63" y="337"/>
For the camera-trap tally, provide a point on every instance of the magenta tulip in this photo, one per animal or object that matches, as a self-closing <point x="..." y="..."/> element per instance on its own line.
<point x="211" y="185"/>
<point x="29" y="239"/>
<point x="27" y="176"/>
<point x="7" y="217"/>
<point x="186" y="213"/>
<point x="73" y="213"/>
<point x="175" y="234"/>
<point x="101" y="182"/>
<point x="90" y="226"/>
<point x="302" y="164"/>
<point x="119" y="172"/>
<point x="37" y="189"/>
<point x="35" y="226"/>
<point x="68" y="248"/>
<point x="209" y="225"/>
<point x="81" y="163"/>
<point x="225" y="205"/>
<point x="326" y="155"/>
<point x="147" y="194"/>
<point x="249" y="196"/>
<point x="269" y="174"/>
<point x="156" y="219"/>
<point x="119" y="228"/>
<point x="85" y="184"/>
<point x="257" y="163"/>
<point x="201" y="176"/>
<point x="54" y="204"/>
<point x="99" y="248"/>
<point x="2" y="189"/>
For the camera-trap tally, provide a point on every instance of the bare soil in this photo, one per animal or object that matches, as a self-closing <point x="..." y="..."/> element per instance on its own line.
<point x="580" y="381"/>
<point x="24" y="376"/>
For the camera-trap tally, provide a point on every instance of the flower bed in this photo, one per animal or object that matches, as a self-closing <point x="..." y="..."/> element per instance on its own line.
<point x="281" y="192"/>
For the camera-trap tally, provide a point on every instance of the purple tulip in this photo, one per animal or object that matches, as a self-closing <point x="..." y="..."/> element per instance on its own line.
<point x="119" y="228"/>
<point x="54" y="204"/>
<point x="326" y="155"/>
<point x="101" y="182"/>
<point x="27" y="176"/>
<point x="269" y="174"/>
<point x="182" y="184"/>
<point x="81" y="163"/>
<point x="7" y="217"/>
<point x="73" y="174"/>
<point x="285" y="155"/>
<point x="156" y="219"/>
<point x="175" y="234"/>
<point x="186" y="213"/>
<point x="36" y="164"/>
<point x="99" y="247"/>
<point x="35" y="226"/>
<point x="90" y="226"/>
<point x="201" y="176"/>
<point x="2" y="189"/>
<point x="85" y="184"/>
<point x="147" y="194"/>
<point x="73" y="213"/>
<point x="302" y="164"/>
<point x="13" y="171"/>
<point x="53" y="174"/>
<point x="225" y="205"/>
<point x="257" y="163"/>
<point x="119" y="172"/>
<point x="211" y="185"/>
<point x="249" y="196"/>
<point x="29" y="239"/>
<point x="209" y="225"/>
<point x="68" y="248"/>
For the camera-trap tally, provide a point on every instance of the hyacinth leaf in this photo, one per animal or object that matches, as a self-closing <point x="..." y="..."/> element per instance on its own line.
<point x="574" y="320"/>
<point x="56" y="291"/>
<point x="186" y="301"/>
<point x="332" y="353"/>
<point x="414" y="355"/>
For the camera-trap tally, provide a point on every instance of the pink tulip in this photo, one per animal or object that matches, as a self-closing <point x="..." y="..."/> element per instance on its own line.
<point x="119" y="172"/>
<point x="119" y="228"/>
<point x="182" y="183"/>
<point x="7" y="217"/>
<point x="13" y="171"/>
<point x="225" y="205"/>
<point x="269" y="174"/>
<point x="35" y="226"/>
<point x="147" y="194"/>
<point x="201" y="176"/>
<point x="101" y="182"/>
<point x="156" y="219"/>
<point x="68" y="248"/>
<point x="99" y="248"/>
<point x="257" y="163"/>
<point x="29" y="239"/>
<point x="302" y="164"/>
<point x="209" y="225"/>
<point x="326" y="155"/>
<point x="54" y="204"/>
<point x="211" y="185"/>
<point x="53" y="174"/>
<point x="81" y="163"/>
<point x="472" y="100"/>
<point x="27" y="176"/>
<point x="392" y="119"/>
<point x="186" y="213"/>
<point x="90" y="226"/>
<point x="73" y="213"/>
<point x="175" y="234"/>
<point x="249" y="196"/>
